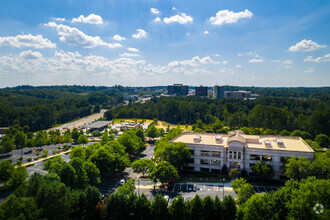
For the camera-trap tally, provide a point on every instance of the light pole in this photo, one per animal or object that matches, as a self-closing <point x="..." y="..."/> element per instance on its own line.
<point x="223" y="190"/>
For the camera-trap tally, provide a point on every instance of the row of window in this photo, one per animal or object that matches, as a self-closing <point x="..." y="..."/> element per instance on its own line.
<point x="262" y="157"/>
<point x="235" y="155"/>
<point x="210" y="153"/>
<point x="210" y="162"/>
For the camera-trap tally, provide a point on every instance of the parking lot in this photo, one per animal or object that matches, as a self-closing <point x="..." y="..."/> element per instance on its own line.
<point x="108" y="185"/>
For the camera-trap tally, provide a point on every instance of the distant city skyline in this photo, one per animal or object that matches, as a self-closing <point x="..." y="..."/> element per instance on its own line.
<point x="153" y="42"/>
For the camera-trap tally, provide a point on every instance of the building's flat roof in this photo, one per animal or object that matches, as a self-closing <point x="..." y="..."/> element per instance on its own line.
<point x="251" y="141"/>
<point x="98" y="124"/>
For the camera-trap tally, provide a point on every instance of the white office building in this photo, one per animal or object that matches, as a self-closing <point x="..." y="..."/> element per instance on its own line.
<point x="238" y="150"/>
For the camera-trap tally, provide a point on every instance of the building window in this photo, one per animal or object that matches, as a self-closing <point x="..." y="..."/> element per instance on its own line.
<point x="192" y="152"/>
<point x="230" y="154"/>
<point x="266" y="158"/>
<point x="215" y="154"/>
<point x="191" y="160"/>
<point x="254" y="157"/>
<point x="205" y="153"/>
<point x="215" y="163"/>
<point x="239" y="155"/>
<point x="205" y="161"/>
<point x="235" y="154"/>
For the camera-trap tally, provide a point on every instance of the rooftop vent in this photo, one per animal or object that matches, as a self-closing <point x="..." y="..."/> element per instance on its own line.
<point x="197" y="138"/>
<point x="267" y="143"/>
<point x="280" y="142"/>
<point x="218" y="139"/>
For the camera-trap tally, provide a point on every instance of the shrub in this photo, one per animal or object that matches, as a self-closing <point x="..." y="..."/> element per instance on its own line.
<point x="54" y="151"/>
<point x="20" y="158"/>
<point x="234" y="173"/>
<point x="29" y="159"/>
<point x="37" y="153"/>
<point x="19" y="163"/>
<point x="45" y="153"/>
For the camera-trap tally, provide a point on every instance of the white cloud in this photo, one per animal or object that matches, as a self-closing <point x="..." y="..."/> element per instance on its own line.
<point x="140" y="34"/>
<point x="181" y="19"/>
<point x="206" y="32"/>
<point x="59" y="19"/>
<point x="174" y="9"/>
<point x="155" y="11"/>
<point x="248" y="54"/>
<point x="276" y="61"/>
<point x="309" y="70"/>
<point x="306" y="45"/>
<point x="29" y="54"/>
<point x="118" y="37"/>
<point x="287" y="61"/>
<point x="225" y="62"/>
<point x="238" y="66"/>
<point x="76" y="37"/>
<point x="227" y="71"/>
<point x="132" y="49"/>
<point x="36" y="41"/>
<point x="325" y="58"/>
<point x="90" y="19"/>
<point x="217" y="55"/>
<point x="256" y="60"/>
<point x="227" y="17"/>
<point x="129" y="55"/>
<point x="157" y="19"/>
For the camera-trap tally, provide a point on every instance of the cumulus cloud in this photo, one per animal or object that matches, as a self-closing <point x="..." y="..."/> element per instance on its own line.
<point x="129" y="55"/>
<point x="90" y="19"/>
<point x="309" y="70"/>
<point x="36" y="41"/>
<point x="181" y="19"/>
<point x="76" y="37"/>
<point x="59" y="19"/>
<point x="256" y="60"/>
<point x="238" y="66"/>
<point x="325" y="58"/>
<point x="225" y="62"/>
<point x="140" y="34"/>
<point x="118" y="37"/>
<point x="29" y="54"/>
<point x="276" y="61"/>
<point x="155" y="11"/>
<point x="206" y="32"/>
<point x="132" y="49"/>
<point x="217" y="55"/>
<point x="157" y="19"/>
<point x="306" y="45"/>
<point x="228" y="17"/>
<point x="287" y="61"/>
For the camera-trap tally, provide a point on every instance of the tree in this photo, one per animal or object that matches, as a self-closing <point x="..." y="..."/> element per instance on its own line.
<point x="234" y="173"/>
<point x="140" y="133"/>
<point x="81" y="178"/>
<point x="159" y="208"/>
<point x="68" y="175"/>
<point x="321" y="165"/>
<point x="152" y="131"/>
<point x="17" y="177"/>
<point x="93" y="173"/>
<point x="127" y="188"/>
<point x="82" y="139"/>
<point x="259" y="206"/>
<point x="178" y="210"/>
<point x="6" y="169"/>
<point x="224" y="170"/>
<point x="196" y="208"/>
<point x="78" y="152"/>
<point x="19" y="208"/>
<point x="209" y="211"/>
<point x="143" y="166"/>
<point x="323" y="140"/>
<point x="164" y="172"/>
<point x="7" y="144"/>
<point x="142" y="208"/>
<point x="218" y="208"/>
<point x="237" y="184"/>
<point x="75" y="135"/>
<point x="118" y="206"/>
<point x="244" y="193"/>
<point x="229" y="207"/>
<point x="20" y="140"/>
<point x="176" y="154"/>
<point x="132" y="143"/>
<point x="263" y="170"/>
<point x="298" y="168"/>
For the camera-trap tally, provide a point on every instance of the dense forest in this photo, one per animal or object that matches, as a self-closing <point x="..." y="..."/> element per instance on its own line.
<point x="277" y="113"/>
<point x="42" y="107"/>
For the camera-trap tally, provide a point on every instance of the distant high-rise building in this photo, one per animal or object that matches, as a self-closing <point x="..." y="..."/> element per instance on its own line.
<point x="178" y="89"/>
<point x="201" y="91"/>
<point x="218" y="92"/>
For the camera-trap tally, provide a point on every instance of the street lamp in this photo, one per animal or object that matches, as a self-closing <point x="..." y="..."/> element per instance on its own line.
<point x="223" y="189"/>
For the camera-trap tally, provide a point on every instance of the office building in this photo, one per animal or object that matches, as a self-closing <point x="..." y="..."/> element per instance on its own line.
<point x="201" y="91"/>
<point x="178" y="90"/>
<point x="210" y="152"/>
<point x="218" y="92"/>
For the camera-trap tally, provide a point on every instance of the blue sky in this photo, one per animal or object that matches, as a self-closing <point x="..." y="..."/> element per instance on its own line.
<point x="155" y="42"/>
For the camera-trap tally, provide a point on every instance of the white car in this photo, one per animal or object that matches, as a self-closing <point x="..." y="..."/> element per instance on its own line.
<point x="122" y="182"/>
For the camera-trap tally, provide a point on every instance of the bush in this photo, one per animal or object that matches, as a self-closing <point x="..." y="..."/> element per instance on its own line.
<point x="37" y="153"/>
<point x="54" y="152"/>
<point x="19" y="163"/>
<point x="45" y="153"/>
<point x="66" y="147"/>
<point x="29" y="159"/>
<point x="20" y="158"/>
<point x="234" y="173"/>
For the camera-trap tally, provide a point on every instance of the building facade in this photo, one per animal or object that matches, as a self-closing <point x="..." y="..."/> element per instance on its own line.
<point x="201" y="91"/>
<point x="177" y="89"/>
<point x="210" y="152"/>
<point x="218" y="92"/>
